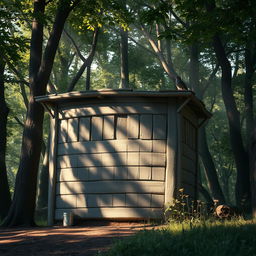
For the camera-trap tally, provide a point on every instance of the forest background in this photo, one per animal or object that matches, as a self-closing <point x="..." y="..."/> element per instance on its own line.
<point x="61" y="46"/>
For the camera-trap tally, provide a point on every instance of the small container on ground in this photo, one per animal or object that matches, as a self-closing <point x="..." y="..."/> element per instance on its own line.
<point x="67" y="219"/>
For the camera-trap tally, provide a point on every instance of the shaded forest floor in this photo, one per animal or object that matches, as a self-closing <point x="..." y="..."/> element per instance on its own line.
<point x="85" y="240"/>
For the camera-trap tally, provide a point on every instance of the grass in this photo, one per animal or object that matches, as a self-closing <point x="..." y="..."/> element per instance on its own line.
<point x="235" y="238"/>
<point x="40" y="222"/>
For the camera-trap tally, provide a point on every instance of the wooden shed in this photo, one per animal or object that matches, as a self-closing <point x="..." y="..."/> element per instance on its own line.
<point x="121" y="153"/>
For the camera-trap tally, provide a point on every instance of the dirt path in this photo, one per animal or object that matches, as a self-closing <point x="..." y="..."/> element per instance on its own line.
<point x="78" y="240"/>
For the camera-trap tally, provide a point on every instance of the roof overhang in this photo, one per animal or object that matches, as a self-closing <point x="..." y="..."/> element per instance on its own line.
<point x="189" y="97"/>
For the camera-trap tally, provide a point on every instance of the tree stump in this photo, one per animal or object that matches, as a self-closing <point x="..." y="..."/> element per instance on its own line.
<point x="224" y="211"/>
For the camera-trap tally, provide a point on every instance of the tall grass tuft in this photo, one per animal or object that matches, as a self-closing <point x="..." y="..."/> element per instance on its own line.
<point x="191" y="229"/>
<point x="235" y="237"/>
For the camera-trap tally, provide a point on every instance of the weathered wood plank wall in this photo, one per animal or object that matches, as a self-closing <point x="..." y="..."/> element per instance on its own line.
<point x="189" y="168"/>
<point x="112" y="160"/>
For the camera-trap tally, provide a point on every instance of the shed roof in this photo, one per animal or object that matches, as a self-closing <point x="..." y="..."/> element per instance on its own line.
<point x="53" y="99"/>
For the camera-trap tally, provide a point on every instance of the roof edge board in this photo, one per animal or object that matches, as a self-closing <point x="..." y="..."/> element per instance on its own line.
<point x="56" y="98"/>
<point x="122" y="93"/>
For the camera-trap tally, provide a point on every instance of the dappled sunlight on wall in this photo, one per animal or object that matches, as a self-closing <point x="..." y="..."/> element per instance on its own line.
<point x="111" y="160"/>
<point x="122" y="153"/>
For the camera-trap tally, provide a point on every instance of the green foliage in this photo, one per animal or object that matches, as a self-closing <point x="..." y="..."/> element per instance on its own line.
<point x="12" y="40"/>
<point x="91" y="14"/>
<point x="14" y="131"/>
<point x="183" y="210"/>
<point x="156" y="11"/>
<point x="235" y="237"/>
<point x="194" y="25"/>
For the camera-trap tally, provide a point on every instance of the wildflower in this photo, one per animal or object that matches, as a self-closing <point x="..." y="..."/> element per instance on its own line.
<point x="215" y="201"/>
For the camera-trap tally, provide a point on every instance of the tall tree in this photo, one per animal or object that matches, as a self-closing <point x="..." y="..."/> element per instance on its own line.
<point x="250" y="67"/>
<point x="253" y="170"/>
<point x="171" y="27"/>
<point x="151" y="17"/>
<point x="5" y="196"/>
<point x="40" y="66"/>
<point x="209" y="166"/>
<point x="210" y="23"/>
<point x="12" y="43"/>
<point x="241" y="156"/>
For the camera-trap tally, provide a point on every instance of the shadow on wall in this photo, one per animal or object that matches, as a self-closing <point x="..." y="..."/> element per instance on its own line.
<point x="111" y="165"/>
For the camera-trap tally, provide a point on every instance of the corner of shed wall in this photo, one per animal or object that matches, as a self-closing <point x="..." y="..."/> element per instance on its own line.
<point x="171" y="152"/>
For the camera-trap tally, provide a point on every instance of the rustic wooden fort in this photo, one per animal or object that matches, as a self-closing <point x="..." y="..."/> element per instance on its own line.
<point x="121" y="154"/>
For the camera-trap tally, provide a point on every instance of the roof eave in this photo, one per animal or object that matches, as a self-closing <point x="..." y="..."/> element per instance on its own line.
<point x="54" y="99"/>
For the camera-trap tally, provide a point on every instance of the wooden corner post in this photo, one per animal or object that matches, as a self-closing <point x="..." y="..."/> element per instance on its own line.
<point x="52" y="167"/>
<point x="171" y="153"/>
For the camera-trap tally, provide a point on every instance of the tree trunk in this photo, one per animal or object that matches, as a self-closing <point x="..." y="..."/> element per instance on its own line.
<point x="66" y="56"/>
<point x="248" y="94"/>
<point x="88" y="78"/>
<point x="194" y="69"/>
<point x="124" y="59"/>
<point x="22" y="209"/>
<point x="166" y="64"/>
<point x="209" y="166"/>
<point x="5" y="196"/>
<point x="86" y="62"/>
<point x="42" y="194"/>
<point x="203" y="191"/>
<point x="249" y="116"/>
<point x="210" y="169"/>
<point x="168" y="53"/>
<point x="253" y="170"/>
<point x="240" y="155"/>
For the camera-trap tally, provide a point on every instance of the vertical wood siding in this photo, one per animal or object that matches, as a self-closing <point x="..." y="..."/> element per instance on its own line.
<point x="188" y="176"/>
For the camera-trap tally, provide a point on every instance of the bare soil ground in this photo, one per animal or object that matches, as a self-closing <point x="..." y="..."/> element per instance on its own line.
<point x="84" y="240"/>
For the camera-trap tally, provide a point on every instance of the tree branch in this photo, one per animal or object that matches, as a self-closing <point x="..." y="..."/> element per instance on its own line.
<point x="16" y="72"/>
<point x="236" y="65"/>
<point x="141" y="45"/>
<point x="179" y="84"/>
<point x="234" y="51"/>
<point x="21" y="83"/>
<point x="24" y="94"/>
<point x="75" y="45"/>
<point x="87" y="62"/>
<point x="19" y="122"/>
<point x="45" y="69"/>
<point x="171" y="73"/>
<point x="158" y="35"/>
<point x="51" y="87"/>
<point x="213" y="103"/>
<point x="179" y="19"/>
<point x="210" y="78"/>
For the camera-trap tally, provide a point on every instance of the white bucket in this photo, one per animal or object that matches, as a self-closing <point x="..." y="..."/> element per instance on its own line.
<point x="67" y="219"/>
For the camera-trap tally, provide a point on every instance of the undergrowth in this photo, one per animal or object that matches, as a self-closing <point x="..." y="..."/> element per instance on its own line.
<point x="235" y="237"/>
<point x="191" y="229"/>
